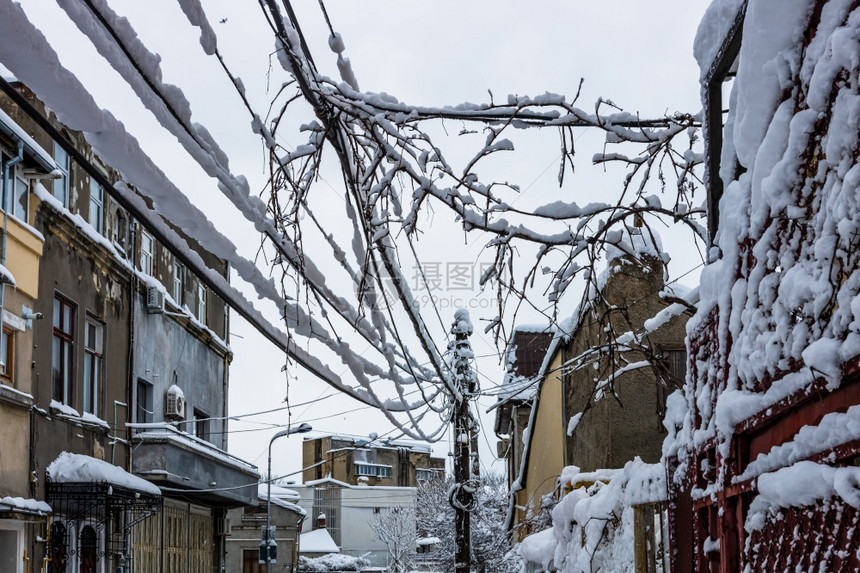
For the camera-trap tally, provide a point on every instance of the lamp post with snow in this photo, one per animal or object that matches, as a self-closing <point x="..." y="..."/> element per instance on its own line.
<point x="268" y="538"/>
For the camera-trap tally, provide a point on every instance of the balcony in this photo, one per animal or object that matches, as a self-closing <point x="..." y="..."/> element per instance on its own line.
<point x="173" y="459"/>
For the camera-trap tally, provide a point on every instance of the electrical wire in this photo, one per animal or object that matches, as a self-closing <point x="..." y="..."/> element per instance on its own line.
<point x="192" y="133"/>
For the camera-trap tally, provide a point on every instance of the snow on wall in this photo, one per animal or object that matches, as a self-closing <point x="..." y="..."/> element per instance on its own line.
<point x="804" y="483"/>
<point x="784" y="297"/>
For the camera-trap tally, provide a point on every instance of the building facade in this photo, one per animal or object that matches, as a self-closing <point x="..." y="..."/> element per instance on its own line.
<point x="525" y="355"/>
<point x="114" y="375"/>
<point x="764" y="442"/>
<point x="22" y="517"/>
<point x="589" y="408"/>
<point x="346" y="511"/>
<point x="370" y="462"/>
<point x="245" y="525"/>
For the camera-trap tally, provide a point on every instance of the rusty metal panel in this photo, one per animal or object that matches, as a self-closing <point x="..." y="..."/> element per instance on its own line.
<point x="822" y="537"/>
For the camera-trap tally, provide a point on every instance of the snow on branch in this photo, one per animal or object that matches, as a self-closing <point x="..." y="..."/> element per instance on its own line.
<point x="396" y="172"/>
<point x="118" y="43"/>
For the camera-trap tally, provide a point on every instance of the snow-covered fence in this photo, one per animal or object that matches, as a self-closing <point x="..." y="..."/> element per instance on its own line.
<point x="651" y="537"/>
<point x="601" y="522"/>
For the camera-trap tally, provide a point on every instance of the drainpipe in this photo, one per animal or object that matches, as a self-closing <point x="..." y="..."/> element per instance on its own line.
<point x="115" y="437"/>
<point x="11" y="163"/>
<point x="130" y="386"/>
<point x="132" y="301"/>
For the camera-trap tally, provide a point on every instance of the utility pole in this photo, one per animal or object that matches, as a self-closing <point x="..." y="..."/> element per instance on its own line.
<point x="466" y="466"/>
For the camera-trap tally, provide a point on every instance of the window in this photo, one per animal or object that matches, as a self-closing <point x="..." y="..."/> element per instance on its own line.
<point x="146" y="250"/>
<point x="61" y="184"/>
<point x="427" y="474"/>
<point x="120" y="232"/>
<point x="373" y="470"/>
<point x="96" y="206"/>
<point x="144" y="407"/>
<point x="7" y="355"/>
<point x="21" y="201"/>
<point x="675" y="365"/>
<point x="200" y="425"/>
<point x="63" y="350"/>
<point x="11" y="544"/>
<point x="178" y="282"/>
<point x="57" y="549"/>
<point x="93" y="358"/>
<point x="88" y="549"/>
<point x="201" y="302"/>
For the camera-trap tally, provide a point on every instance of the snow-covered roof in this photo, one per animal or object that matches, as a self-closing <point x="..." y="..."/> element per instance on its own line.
<point x="280" y="495"/>
<point x="372" y="442"/>
<point x="31" y="148"/>
<point x="633" y="241"/>
<point x="534" y="328"/>
<point x="6" y="276"/>
<point x="23" y="505"/>
<point x="324" y="481"/>
<point x="278" y="492"/>
<point x="78" y="468"/>
<point x="166" y="432"/>
<point x="364" y="487"/>
<point x="317" y="541"/>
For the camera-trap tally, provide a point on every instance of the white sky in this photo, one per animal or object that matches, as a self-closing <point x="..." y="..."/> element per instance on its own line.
<point x="639" y="54"/>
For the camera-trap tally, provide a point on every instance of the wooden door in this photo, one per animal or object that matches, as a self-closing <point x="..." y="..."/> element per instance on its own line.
<point x="251" y="562"/>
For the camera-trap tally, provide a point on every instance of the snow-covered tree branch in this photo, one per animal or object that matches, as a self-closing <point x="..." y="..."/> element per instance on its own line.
<point x="396" y="173"/>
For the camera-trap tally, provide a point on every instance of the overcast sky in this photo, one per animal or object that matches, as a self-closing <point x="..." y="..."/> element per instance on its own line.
<point x="636" y="53"/>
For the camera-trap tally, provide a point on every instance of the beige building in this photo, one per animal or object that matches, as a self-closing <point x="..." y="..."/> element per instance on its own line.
<point x="593" y="403"/>
<point x="357" y="461"/>
<point x="24" y="162"/>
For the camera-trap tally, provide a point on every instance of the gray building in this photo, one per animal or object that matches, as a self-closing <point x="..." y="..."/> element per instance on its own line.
<point x="245" y="526"/>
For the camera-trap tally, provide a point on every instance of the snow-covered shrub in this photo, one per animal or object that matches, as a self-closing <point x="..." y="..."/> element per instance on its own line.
<point x="491" y="547"/>
<point x="331" y="563"/>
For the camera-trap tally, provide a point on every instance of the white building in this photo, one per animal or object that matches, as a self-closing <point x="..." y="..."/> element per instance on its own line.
<point x="348" y="512"/>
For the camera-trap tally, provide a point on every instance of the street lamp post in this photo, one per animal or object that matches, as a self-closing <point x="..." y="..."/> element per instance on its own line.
<point x="300" y="429"/>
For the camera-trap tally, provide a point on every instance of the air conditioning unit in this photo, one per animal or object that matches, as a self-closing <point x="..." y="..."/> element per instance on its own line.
<point x="174" y="403"/>
<point x="154" y="300"/>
